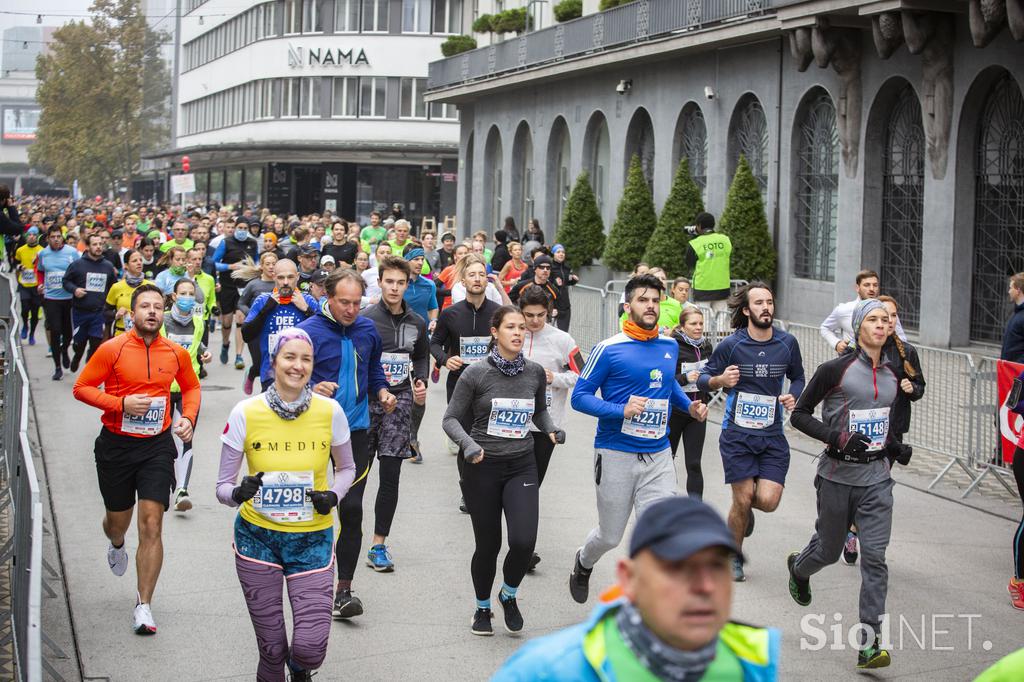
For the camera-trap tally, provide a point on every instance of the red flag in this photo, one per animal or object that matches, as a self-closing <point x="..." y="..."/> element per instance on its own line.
<point x="1011" y="424"/>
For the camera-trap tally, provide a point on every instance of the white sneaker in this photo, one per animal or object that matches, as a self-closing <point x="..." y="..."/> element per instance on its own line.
<point x="143" y="622"/>
<point x="182" y="502"/>
<point x="117" y="557"/>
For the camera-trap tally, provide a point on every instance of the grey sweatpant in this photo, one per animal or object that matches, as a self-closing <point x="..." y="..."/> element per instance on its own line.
<point x="870" y="508"/>
<point x="625" y="481"/>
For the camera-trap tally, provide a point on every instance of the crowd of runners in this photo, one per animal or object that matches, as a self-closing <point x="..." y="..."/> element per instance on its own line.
<point x="345" y="326"/>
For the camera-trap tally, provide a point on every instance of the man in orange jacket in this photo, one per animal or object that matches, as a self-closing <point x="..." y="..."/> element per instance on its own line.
<point x="135" y="450"/>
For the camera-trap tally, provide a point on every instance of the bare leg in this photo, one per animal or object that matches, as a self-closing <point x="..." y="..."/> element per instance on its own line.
<point x="150" y="557"/>
<point x="742" y="499"/>
<point x="115" y="525"/>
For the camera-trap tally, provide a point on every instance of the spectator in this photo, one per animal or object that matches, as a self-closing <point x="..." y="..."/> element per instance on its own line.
<point x="709" y="255"/>
<point x="510" y="229"/>
<point x="533" y="232"/>
<point x="1013" y="337"/>
<point x="501" y="254"/>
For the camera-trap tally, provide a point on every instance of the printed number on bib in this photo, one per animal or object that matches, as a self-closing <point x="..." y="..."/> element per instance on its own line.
<point x="754" y="411"/>
<point x="28" y="276"/>
<point x="96" y="282"/>
<point x="510" y="417"/>
<point x="149" y="424"/>
<point x="650" y="423"/>
<point x="396" y="367"/>
<point x="54" y="280"/>
<point x="473" y="348"/>
<point x="547" y="396"/>
<point x="872" y="423"/>
<point x="183" y="340"/>
<point x="282" y="497"/>
<point x="687" y="367"/>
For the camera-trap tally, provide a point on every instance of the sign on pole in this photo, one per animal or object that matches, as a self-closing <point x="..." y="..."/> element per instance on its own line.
<point x="183" y="184"/>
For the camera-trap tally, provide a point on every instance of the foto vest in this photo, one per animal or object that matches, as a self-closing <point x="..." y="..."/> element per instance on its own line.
<point x="712" y="270"/>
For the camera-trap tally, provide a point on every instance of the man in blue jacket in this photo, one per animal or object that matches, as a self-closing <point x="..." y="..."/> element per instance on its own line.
<point x="346" y="352"/>
<point x="676" y="590"/>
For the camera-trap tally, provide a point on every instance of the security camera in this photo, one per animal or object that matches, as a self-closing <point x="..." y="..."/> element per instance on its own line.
<point x="624" y="86"/>
<point x="709" y="92"/>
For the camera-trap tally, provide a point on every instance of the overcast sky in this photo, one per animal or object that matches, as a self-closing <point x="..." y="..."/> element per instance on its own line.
<point x="76" y="7"/>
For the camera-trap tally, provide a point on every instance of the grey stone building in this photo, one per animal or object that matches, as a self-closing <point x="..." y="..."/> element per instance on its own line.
<point x="887" y="135"/>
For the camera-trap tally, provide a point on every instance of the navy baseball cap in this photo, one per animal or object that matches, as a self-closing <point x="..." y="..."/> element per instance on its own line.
<point x="308" y="250"/>
<point x="678" y="527"/>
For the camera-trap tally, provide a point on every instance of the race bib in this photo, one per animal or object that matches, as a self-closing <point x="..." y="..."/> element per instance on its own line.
<point x="650" y="423"/>
<point x="282" y="497"/>
<point x="183" y="340"/>
<point x="96" y="281"/>
<point x="473" y="348"/>
<point x="547" y="396"/>
<point x="510" y="417"/>
<point x="872" y="423"/>
<point x="54" y="280"/>
<point x="149" y="424"/>
<point x="687" y="367"/>
<point x="754" y="411"/>
<point x="396" y="367"/>
<point x="28" y="276"/>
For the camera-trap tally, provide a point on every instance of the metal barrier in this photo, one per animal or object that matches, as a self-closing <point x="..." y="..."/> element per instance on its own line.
<point x="22" y="551"/>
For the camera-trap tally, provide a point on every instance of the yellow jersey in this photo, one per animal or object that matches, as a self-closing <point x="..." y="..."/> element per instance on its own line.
<point x="25" y="257"/>
<point x="120" y="296"/>
<point x="294" y="457"/>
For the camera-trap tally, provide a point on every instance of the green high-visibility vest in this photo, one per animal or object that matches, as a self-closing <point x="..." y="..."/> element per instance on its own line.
<point x="712" y="270"/>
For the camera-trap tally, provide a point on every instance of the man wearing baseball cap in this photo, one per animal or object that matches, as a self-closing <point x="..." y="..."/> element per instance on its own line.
<point x="672" y="620"/>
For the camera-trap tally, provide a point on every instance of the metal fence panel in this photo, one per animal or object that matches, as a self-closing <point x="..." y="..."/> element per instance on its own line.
<point x="620" y="24"/>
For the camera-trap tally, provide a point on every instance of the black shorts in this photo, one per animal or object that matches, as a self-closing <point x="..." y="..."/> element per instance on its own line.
<point x="227" y="299"/>
<point x="30" y="297"/>
<point x="128" y="466"/>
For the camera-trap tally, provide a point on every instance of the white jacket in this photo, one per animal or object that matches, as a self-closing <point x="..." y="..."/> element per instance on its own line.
<point x="555" y="350"/>
<point x="838" y="326"/>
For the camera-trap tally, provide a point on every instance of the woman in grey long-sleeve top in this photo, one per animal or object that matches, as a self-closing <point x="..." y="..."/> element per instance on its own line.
<point x="497" y="398"/>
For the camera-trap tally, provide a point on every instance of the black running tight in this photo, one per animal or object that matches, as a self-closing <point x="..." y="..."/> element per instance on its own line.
<point x="350" y="510"/>
<point x="682" y="425"/>
<point x="387" y="494"/>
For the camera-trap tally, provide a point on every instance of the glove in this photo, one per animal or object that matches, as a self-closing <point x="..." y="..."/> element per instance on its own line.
<point x="852" y="443"/>
<point x="323" y="500"/>
<point x="559" y="436"/>
<point x="901" y="453"/>
<point x="247" y="489"/>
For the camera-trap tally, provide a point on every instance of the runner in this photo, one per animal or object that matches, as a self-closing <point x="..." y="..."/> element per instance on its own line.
<point x="260" y="280"/>
<point x="206" y="290"/>
<point x="405" y="359"/>
<point x="88" y="279"/>
<point x="135" y="450"/>
<point x="184" y="326"/>
<point x="348" y="368"/>
<point x="174" y="261"/>
<point x="421" y="297"/>
<point x="541" y="279"/>
<point x="271" y="313"/>
<point x="513" y="268"/>
<point x="497" y="399"/>
<point x="52" y="263"/>
<point x="751" y="365"/>
<point x="28" y="284"/>
<point x="463" y="332"/>
<point x="856" y="392"/>
<point x="558" y="354"/>
<point x="118" y="309"/>
<point x="694" y="352"/>
<point x="633" y="466"/>
<point x="283" y="531"/>
<point x="227" y="257"/>
<point x="563" y="277"/>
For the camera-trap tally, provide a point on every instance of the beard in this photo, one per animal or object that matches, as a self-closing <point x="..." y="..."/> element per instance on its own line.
<point x="761" y="323"/>
<point x="639" y="321"/>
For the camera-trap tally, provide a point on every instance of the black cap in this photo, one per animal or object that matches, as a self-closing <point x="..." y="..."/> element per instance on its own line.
<point x="705" y="221"/>
<point x="678" y="527"/>
<point x="318" y="276"/>
<point x="542" y="259"/>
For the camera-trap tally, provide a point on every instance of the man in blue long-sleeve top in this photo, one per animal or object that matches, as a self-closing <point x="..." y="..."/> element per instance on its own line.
<point x="751" y="365"/>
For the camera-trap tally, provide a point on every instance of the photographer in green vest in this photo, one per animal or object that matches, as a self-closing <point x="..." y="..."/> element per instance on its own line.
<point x="709" y="255"/>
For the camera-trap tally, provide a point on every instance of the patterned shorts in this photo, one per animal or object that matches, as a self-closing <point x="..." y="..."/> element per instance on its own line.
<point x="389" y="433"/>
<point x="293" y="552"/>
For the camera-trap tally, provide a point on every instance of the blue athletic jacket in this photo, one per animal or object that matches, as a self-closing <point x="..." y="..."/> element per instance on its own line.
<point x="349" y="356"/>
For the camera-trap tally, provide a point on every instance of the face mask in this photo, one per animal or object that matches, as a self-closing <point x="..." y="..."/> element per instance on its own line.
<point x="178" y="269"/>
<point x="241" y="235"/>
<point x="185" y="303"/>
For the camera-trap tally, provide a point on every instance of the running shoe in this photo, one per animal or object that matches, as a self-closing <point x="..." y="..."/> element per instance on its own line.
<point x="31" y="339"/>
<point x="850" y="552"/>
<point x="57" y="374"/>
<point x="481" y="623"/>
<point x="182" y="502"/>
<point x="534" y="560"/>
<point x="247" y="385"/>
<point x="750" y="524"/>
<point x="296" y="674"/>
<point x="346" y="605"/>
<point x="799" y="588"/>
<point x="379" y="559"/>
<point x="579" y="581"/>
<point x="117" y="559"/>
<point x="873" y="657"/>
<point x="76" y="360"/>
<point x="738" y="576"/>
<point x="1016" y="588"/>
<point x="24" y="333"/>
<point x="143" y="622"/>
<point x="513" y="618"/>
<point x="239" y="362"/>
<point x="417" y="456"/>
<point x="223" y="355"/>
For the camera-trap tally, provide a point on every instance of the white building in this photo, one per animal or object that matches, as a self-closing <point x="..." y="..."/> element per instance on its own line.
<point x="312" y="105"/>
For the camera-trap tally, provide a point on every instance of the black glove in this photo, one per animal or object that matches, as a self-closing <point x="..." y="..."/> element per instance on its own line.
<point x="323" y="500"/>
<point x="247" y="489"/>
<point x="559" y="436"/>
<point x="851" y="443"/>
<point x="901" y="453"/>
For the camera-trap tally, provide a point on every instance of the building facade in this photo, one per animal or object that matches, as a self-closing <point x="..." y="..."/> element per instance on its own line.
<point x="313" y="105"/>
<point x="882" y="136"/>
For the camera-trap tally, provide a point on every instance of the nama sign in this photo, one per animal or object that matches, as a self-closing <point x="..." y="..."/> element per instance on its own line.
<point x="299" y="56"/>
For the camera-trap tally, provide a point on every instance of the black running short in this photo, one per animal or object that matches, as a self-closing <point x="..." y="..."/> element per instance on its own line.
<point x="128" y="467"/>
<point x="227" y="299"/>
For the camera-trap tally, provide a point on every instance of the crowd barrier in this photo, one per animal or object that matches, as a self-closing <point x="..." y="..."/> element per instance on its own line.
<point x="22" y="550"/>
<point x="957" y="419"/>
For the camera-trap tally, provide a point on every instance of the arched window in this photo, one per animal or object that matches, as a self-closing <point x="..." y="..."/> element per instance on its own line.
<point x="998" y="207"/>
<point x="693" y="144"/>
<point x="597" y="151"/>
<point x="748" y="136"/>
<point x="903" y="205"/>
<point x="558" y="182"/>
<point x="493" y="161"/>
<point x="640" y="141"/>
<point x="522" y="175"/>
<point x="817" y="190"/>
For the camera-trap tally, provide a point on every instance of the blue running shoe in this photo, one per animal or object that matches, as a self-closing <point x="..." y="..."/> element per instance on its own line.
<point x="379" y="559"/>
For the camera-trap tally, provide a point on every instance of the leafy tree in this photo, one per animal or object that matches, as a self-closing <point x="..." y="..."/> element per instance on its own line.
<point x="103" y="92"/>
<point x="581" y="231"/>
<point x="634" y="222"/>
<point x="668" y="245"/>
<point x="457" y="44"/>
<point x="744" y="221"/>
<point x="483" y="23"/>
<point x="568" y="9"/>
<point x="509" y="21"/>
